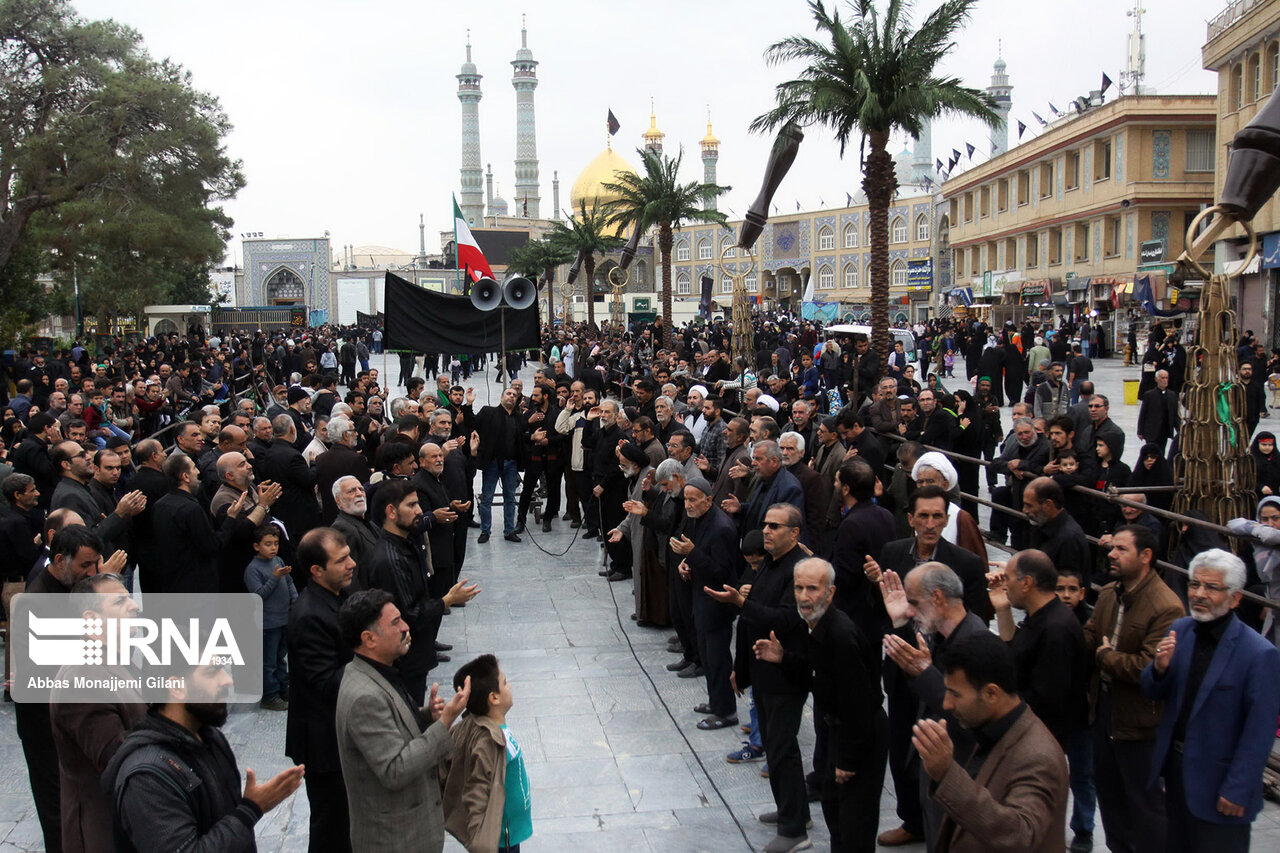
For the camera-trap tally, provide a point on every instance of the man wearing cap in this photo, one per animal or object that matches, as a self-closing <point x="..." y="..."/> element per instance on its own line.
<point x="693" y="419"/>
<point x="299" y="412"/>
<point x="710" y="554"/>
<point x="635" y="466"/>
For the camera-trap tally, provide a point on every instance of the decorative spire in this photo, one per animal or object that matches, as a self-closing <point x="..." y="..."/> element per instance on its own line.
<point x="468" y="44"/>
<point x="524" y="33"/>
<point x="653" y="137"/>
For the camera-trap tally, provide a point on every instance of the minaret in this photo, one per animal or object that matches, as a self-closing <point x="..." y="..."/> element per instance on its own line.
<point x="422" y="235"/>
<point x="1000" y="91"/>
<point x="472" y="198"/>
<point x="555" y="195"/>
<point x="488" y="188"/>
<point x="710" y="154"/>
<point x="524" y="78"/>
<point x="653" y="137"/>
<point x="922" y="154"/>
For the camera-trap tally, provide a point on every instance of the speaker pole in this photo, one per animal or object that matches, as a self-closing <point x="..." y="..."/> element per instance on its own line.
<point x="506" y="371"/>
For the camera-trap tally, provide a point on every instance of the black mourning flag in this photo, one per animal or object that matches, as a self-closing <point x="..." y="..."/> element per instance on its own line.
<point x="1106" y="82"/>
<point x="422" y="320"/>
<point x="1022" y="128"/>
<point x="613" y="123"/>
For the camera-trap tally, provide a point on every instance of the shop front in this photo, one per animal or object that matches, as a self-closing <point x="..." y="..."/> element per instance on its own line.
<point x="1037" y="298"/>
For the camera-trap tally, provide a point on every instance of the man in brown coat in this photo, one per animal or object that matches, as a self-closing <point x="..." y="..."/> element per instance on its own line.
<point x="1009" y="792"/>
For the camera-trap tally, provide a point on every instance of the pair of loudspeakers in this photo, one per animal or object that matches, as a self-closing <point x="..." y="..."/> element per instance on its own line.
<point x="518" y="292"/>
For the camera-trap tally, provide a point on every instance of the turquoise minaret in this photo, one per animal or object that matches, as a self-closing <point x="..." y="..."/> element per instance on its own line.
<point x="471" y="197"/>
<point x="524" y="78"/>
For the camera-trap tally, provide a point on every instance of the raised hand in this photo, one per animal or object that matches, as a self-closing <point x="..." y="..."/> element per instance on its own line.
<point x="931" y="740"/>
<point x="1164" y="652"/>
<point x="273" y="792"/>
<point x="913" y="660"/>
<point x="454" y="707"/>
<point x="769" y="650"/>
<point x="895" y="598"/>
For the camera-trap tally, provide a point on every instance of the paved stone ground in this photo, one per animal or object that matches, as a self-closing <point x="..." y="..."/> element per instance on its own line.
<point x="609" y="736"/>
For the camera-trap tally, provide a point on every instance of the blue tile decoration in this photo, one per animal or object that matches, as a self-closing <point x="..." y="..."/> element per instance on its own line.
<point x="1160" y="144"/>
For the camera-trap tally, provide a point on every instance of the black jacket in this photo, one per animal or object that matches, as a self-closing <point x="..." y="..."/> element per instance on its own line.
<point x="190" y="544"/>
<point x="297" y="508"/>
<point x="1064" y="540"/>
<point x="1158" y="417"/>
<point x="18" y="548"/>
<point x="331" y="466"/>
<point x="154" y="485"/>
<point x="31" y="457"/>
<point x="500" y="434"/>
<point x="399" y="566"/>
<point x="73" y="495"/>
<point x="173" y="791"/>
<point x="713" y="562"/>
<point x="362" y="538"/>
<point x="770" y="606"/>
<point x="863" y="532"/>
<point x="432" y="495"/>
<point x="317" y="658"/>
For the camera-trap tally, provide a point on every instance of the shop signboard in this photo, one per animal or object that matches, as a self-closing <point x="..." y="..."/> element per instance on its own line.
<point x="1151" y="252"/>
<point x="920" y="272"/>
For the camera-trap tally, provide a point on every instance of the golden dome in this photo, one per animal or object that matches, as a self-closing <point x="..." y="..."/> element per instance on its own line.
<point x="588" y="188"/>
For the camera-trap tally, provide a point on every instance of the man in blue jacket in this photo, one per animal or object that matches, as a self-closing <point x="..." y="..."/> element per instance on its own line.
<point x="1220" y="682"/>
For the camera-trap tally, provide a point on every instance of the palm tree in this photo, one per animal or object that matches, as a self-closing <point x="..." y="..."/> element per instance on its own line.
<point x="587" y="234"/>
<point x="538" y="260"/>
<point x="873" y="75"/>
<point x="659" y="199"/>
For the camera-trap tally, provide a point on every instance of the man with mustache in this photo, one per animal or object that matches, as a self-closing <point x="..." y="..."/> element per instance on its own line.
<point x="351" y="522"/>
<point x="846" y="686"/>
<point x="174" y="778"/>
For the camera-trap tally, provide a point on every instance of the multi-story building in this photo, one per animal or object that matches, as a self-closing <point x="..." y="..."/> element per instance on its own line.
<point x="1060" y="226"/>
<point x="1243" y="46"/>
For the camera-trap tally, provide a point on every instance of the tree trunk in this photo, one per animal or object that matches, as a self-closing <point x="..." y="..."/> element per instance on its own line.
<point x="880" y="184"/>
<point x="589" y="267"/>
<point x="665" y="241"/>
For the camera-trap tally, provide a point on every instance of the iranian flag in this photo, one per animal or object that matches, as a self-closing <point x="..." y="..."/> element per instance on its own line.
<point x="470" y="258"/>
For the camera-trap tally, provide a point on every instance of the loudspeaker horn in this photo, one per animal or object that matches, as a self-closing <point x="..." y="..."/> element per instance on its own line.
<point x="486" y="295"/>
<point x="519" y="292"/>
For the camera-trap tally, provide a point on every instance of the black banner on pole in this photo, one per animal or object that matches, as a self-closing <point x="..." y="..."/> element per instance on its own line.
<point x="422" y="320"/>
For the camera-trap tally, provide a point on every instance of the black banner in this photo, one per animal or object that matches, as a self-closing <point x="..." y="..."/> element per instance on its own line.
<point x="422" y="320"/>
<point x="370" y="321"/>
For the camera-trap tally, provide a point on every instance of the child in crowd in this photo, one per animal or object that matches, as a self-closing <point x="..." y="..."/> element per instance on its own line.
<point x="752" y="748"/>
<point x="1273" y="382"/>
<point x="487" y="805"/>
<point x="1072" y="592"/>
<point x="268" y="576"/>
<point x="949" y="362"/>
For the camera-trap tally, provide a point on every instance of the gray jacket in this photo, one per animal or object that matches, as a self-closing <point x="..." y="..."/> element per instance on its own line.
<point x="393" y="788"/>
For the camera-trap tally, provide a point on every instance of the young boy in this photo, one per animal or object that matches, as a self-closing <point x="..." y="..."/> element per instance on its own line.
<point x="1072" y="592"/>
<point x="752" y="748"/>
<point x="487" y="805"/>
<point x="268" y="576"/>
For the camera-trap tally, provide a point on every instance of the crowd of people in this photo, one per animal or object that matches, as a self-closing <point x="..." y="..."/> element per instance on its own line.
<point x="794" y="518"/>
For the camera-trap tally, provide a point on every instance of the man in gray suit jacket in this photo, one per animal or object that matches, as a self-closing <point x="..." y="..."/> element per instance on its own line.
<point x="388" y="747"/>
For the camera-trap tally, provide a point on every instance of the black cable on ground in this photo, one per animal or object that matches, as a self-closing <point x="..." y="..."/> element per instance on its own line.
<point x="658" y="694"/>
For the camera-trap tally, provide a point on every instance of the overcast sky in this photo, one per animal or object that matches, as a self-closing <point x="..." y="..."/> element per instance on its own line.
<point x="347" y="120"/>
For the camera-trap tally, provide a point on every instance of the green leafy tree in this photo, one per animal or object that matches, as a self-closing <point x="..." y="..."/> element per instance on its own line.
<point x="538" y="260"/>
<point x="659" y="200"/>
<point x="111" y="163"/>
<point x="587" y="234"/>
<point x="871" y="76"/>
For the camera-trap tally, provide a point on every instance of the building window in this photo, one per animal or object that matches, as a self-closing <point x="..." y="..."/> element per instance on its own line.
<point x="704" y="249"/>
<point x="730" y="248"/>
<point x="1237" y="87"/>
<point x="993" y="257"/>
<point x="975" y="261"/>
<point x="682" y="251"/>
<point x="954" y="215"/>
<point x="1111" y="237"/>
<point x="984" y="201"/>
<point x="1102" y="160"/>
<point x="1055" y="246"/>
<point x="959" y="261"/>
<point x="1046" y="180"/>
<point x="1002" y="195"/>
<point x="1273" y="66"/>
<point x="726" y="284"/>
<point x="753" y="284"/>
<point x="684" y="286"/>
<point x="899" y="232"/>
<point x="1011" y="253"/>
<point x="1082" y="242"/>
<point x="1033" y="250"/>
<point x="1071" y="173"/>
<point x="784" y="285"/>
<point x="1200" y="150"/>
<point x="1024" y="187"/>
<point x="851" y="275"/>
<point x="826" y="239"/>
<point x="922" y="228"/>
<point x="851" y="236"/>
<point x="898" y="273"/>
<point x="826" y="278"/>
<point x="1255" y="77"/>
<point x="968" y="207"/>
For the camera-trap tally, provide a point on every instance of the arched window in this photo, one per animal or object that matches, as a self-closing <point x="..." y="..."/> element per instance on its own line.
<point x="682" y="251"/>
<point x="729" y="247"/>
<point x="684" y="286"/>
<point x="826" y="278"/>
<point x="752" y="283"/>
<point x="1255" y="77"/>
<point x="1237" y="87"/>
<point x="851" y="236"/>
<point x="898" y="273"/>
<point x="726" y="284"/>
<point x="922" y="228"/>
<point x="285" y="287"/>
<point x="704" y="249"/>
<point x="826" y="238"/>
<point x="898" y="230"/>
<point x="851" y="275"/>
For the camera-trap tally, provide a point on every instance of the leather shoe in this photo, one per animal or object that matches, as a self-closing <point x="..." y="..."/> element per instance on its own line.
<point x="703" y="708"/>
<point x="614" y="577"/>
<point x="692" y="672"/>
<point x="519" y="528"/>
<point x="897" y="837"/>
<point x="590" y="534"/>
<point x="679" y="665"/>
<point x="546" y="525"/>
<point x="484" y="537"/>
<point x="575" y="524"/>
<point x="604" y="573"/>
<point x="443" y="647"/>
<point x="512" y="537"/>
<point x="441" y="657"/>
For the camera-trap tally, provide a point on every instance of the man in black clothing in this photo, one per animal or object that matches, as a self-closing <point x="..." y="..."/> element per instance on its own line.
<point x="317" y="656"/>
<point x="150" y="480"/>
<point x="400" y="565"/>
<point x="1255" y="402"/>
<point x="340" y="460"/>
<point x="20" y="527"/>
<point x="353" y="507"/>
<point x="282" y="463"/>
<point x="185" y="531"/>
<point x="31" y="456"/>
<point x="457" y="477"/>
<point x="608" y="487"/>
<point x="938" y="427"/>
<point x="865" y="528"/>
<point x="174" y="780"/>
<point x="1158" y="417"/>
<point x="1048" y="647"/>
<point x="299" y="412"/>
<point x="845" y="666"/>
<point x="498" y="457"/>
<point x="75" y="465"/>
<point x="769" y="612"/>
<point x="544" y="446"/>
<point x="1104" y="427"/>
<point x="1053" y="530"/>
<point x="438" y="515"/>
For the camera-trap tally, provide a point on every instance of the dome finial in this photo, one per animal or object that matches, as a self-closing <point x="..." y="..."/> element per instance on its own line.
<point x="524" y="33"/>
<point x="468" y="44"/>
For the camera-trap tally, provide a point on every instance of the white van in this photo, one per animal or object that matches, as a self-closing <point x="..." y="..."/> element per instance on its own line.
<point x="903" y="336"/>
